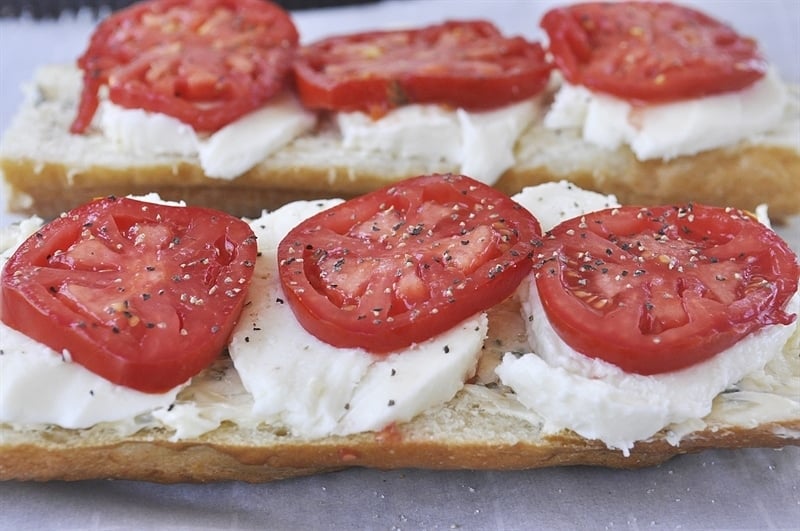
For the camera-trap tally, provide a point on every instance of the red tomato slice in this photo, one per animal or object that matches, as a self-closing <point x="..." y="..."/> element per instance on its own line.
<point x="654" y="290"/>
<point x="204" y="62"/>
<point x="465" y="64"/>
<point x="402" y="264"/>
<point x="141" y="294"/>
<point x="650" y="51"/>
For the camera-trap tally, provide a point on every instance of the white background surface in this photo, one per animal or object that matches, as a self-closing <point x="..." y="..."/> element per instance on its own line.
<point x="752" y="489"/>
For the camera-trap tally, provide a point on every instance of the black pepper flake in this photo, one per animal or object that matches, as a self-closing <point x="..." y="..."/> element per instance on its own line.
<point x="391" y="403"/>
<point x="150" y="268"/>
<point x="337" y="266"/>
<point x="115" y="329"/>
<point x="279" y="300"/>
<point x="150" y="325"/>
<point x="146" y="296"/>
<point x="171" y="407"/>
<point x="416" y="230"/>
<point x="447" y="349"/>
<point x="91" y="392"/>
<point x="214" y="329"/>
<point x="247" y="339"/>
<point x="394" y="371"/>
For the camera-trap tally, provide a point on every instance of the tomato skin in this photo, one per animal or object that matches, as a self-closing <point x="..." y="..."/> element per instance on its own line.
<point x="466" y="64"/>
<point x="658" y="289"/>
<point x="141" y="294"/>
<point x="650" y="52"/>
<point x="402" y="264"/>
<point x="204" y="62"/>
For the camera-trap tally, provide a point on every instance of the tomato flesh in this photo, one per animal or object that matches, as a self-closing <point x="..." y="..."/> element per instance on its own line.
<point x="465" y="64"/>
<point x="654" y="290"/>
<point x="402" y="264"/>
<point x="204" y="62"/>
<point x="141" y="294"/>
<point x="650" y="51"/>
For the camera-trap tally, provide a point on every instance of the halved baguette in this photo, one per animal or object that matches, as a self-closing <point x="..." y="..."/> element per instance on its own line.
<point x="48" y="171"/>
<point x="482" y="427"/>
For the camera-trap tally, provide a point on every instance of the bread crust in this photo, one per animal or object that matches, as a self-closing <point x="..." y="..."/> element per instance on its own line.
<point x="48" y="171"/>
<point x="231" y="453"/>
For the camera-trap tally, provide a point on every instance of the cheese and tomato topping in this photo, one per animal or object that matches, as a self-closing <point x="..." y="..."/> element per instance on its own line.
<point x="371" y="311"/>
<point x="599" y="400"/>
<point x="665" y="80"/>
<point x="314" y="389"/>
<point x="458" y="91"/>
<point x="94" y="326"/>
<point x="144" y="295"/>
<point x="202" y="78"/>
<point x="639" y="317"/>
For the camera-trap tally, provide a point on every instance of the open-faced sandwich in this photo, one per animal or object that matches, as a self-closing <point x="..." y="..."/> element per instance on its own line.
<point x="433" y="323"/>
<point x="221" y="104"/>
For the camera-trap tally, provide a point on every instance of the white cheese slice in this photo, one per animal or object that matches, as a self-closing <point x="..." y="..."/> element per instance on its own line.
<point x="482" y="143"/>
<point x="224" y="154"/>
<point x="669" y="130"/>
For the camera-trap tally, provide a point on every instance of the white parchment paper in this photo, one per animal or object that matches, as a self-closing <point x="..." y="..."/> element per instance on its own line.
<point x="741" y="489"/>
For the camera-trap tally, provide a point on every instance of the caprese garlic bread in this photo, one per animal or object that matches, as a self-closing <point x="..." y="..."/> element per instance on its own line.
<point x="430" y="323"/>
<point x="690" y="111"/>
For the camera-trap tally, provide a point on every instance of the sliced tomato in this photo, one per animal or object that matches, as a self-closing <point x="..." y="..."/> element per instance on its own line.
<point x="402" y="264"/>
<point x="650" y="51"/>
<point x="654" y="290"/>
<point x="204" y="62"/>
<point x="465" y="64"/>
<point x="144" y="295"/>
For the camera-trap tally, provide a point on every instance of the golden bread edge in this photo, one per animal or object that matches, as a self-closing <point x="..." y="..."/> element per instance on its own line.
<point x="152" y="457"/>
<point x="744" y="178"/>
